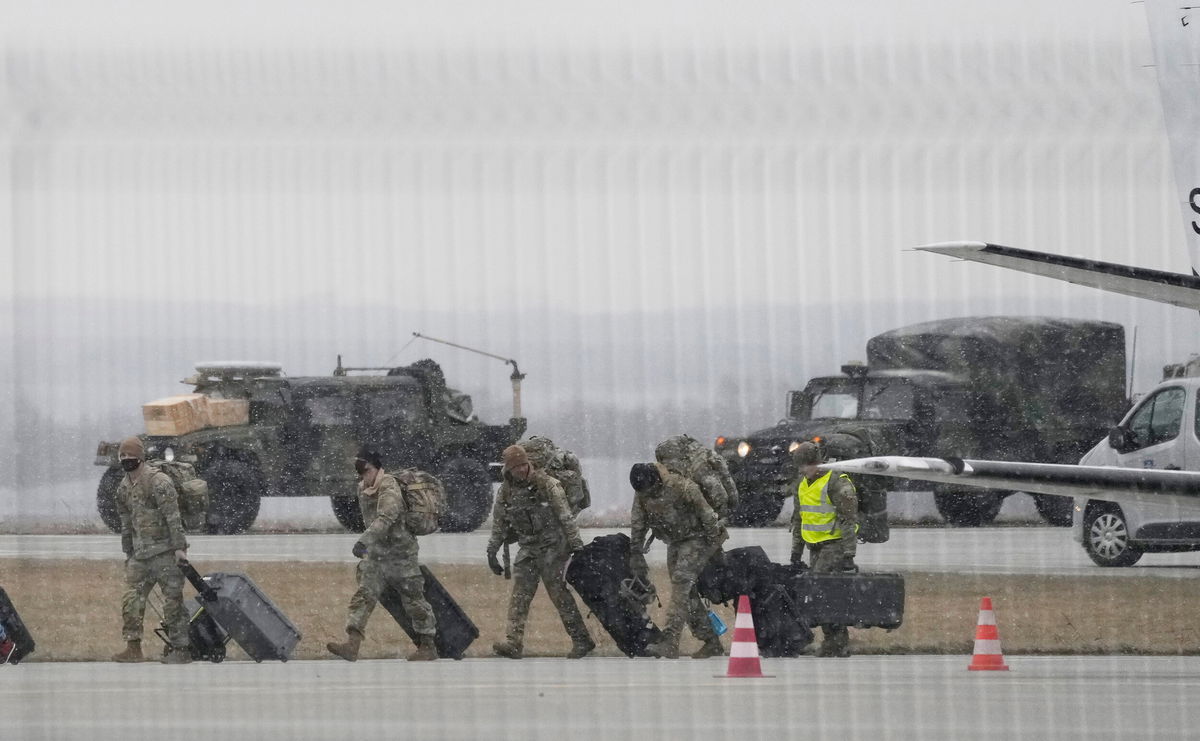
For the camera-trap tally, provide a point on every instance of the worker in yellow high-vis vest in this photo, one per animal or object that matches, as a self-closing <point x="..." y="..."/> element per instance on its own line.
<point x="826" y="521"/>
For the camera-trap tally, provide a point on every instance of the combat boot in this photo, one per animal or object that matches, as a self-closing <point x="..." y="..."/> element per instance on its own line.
<point x="349" y="649"/>
<point x="177" y="656"/>
<point x="507" y="649"/>
<point x="581" y="648"/>
<point x="426" y="650"/>
<point x="132" y="653"/>
<point x="709" y="649"/>
<point x="663" y="650"/>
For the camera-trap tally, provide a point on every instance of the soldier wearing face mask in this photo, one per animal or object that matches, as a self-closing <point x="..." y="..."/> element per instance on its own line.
<point x="153" y="541"/>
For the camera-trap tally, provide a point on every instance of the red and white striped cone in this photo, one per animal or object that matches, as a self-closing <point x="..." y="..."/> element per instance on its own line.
<point x="987" y="655"/>
<point x="743" y="652"/>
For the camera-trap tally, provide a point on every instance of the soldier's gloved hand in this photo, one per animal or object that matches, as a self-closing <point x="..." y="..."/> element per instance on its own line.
<point x="181" y="556"/>
<point x="494" y="563"/>
<point x="798" y="558"/>
<point x="575" y="545"/>
<point x="359" y="550"/>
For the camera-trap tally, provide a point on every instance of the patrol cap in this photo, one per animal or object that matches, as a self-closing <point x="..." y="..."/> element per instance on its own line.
<point x="644" y="476"/>
<point x="514" y="456"/>
<point x="807" y="454"/>
<point x="370" y="456"/>
<point x="131" y="447"/>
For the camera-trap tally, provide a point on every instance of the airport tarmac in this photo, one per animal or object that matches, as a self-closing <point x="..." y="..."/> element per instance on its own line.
<point x="863" y="697"/>
<point x="1002" y="550"/>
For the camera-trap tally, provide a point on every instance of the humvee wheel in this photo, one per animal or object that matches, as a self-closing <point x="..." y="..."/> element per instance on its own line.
<point x="235" y="492"/>
<point x="966" y="507"/>
<point x="468" y="495"/>
<point x="106" y="499"/>
<point x="347" y="512"/>
<point x="756" y="508"/>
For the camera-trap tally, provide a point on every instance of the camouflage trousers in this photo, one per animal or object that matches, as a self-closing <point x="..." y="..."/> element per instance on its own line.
<point x="546" y="567"/>
<point x="403" y="575"/>
<point x="830" y="556"/>
<point x="141" y="574"/>
<point x="685" y="560"/>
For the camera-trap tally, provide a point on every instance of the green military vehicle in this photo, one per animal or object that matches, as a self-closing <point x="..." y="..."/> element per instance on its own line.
<point x="302" y="435"/>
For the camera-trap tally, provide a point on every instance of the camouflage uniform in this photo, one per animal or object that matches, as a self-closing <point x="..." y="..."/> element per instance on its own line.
<point x="535" y="513"/>
<point x="391" y="559"/>
<point x="151" y="532"/>
<point x="684" y="455"/>
<point x="680" y="516"/>
<point x="832" y="556"/>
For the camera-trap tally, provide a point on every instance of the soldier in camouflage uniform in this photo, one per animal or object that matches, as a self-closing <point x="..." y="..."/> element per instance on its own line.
<point x="673" y="507"/>
<point x="389" y="557"/>
<point x="684" y="455"/>
<point x="826" y="520"/>
<point x="532" y="509"/>
<point x="153" y="541"/>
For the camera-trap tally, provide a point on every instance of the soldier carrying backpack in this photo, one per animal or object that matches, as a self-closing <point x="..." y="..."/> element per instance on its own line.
<point x="685" y="456"/>
<point x="564" y="466"/>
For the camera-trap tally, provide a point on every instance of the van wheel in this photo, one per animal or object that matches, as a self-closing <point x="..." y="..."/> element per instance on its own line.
<point x="468" y="495"/>
<point x="347" y="512"/>
<point x="1054" y="509"/>
<point x="1106" y="537"/>
<point x="106" y="498"/>
<point x="235" y="492"/>
<point x="967" y="508"/>
<point x="756" y="508"/>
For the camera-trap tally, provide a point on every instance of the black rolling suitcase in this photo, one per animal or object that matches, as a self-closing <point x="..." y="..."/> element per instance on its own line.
<point x="241" y="609"/>
<point x="859" y="600"/>
<point x="455" y="631"/>
<point x="206" y="640"/>
<point x="15" y="641"/>
<point x="601" y="575"/>
<point x="780" y="623"/>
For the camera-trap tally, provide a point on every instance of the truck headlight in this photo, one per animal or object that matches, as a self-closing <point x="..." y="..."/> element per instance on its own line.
<point x="743" y="449"/>
<point x="168" y="454"/>
<point x="793" y="446"/>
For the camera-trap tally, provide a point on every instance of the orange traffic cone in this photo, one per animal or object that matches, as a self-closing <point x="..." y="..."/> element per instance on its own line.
<point x="987" y="655"/>
<point x="743" y="652"/>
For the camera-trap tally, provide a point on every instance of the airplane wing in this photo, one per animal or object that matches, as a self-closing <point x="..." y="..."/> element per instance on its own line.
<point x="1141" y="485"/>
<point x="1156" y="285"/>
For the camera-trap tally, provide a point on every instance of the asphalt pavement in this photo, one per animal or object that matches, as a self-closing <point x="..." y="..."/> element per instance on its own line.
<point x="1003" y="550"/>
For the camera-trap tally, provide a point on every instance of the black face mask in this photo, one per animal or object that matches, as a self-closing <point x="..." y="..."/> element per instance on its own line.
<point x="130" y="464"/>
<point x="360" y="466"/>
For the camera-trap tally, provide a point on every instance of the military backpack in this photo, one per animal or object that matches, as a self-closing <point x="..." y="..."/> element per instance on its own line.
<point x="192" y="490"/>
<point x="424" y="498"/>
<point x="564" y="466"/>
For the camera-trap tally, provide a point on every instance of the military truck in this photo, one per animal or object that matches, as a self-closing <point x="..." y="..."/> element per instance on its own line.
<point x="302" y="435"/>
<point x="1000" y="388"/>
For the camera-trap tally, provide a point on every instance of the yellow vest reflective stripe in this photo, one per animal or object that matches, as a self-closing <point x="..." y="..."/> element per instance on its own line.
<point x="817" y="514"/>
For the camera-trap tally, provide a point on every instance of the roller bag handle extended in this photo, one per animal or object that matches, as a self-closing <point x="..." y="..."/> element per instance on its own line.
<point x="207" y="593"/>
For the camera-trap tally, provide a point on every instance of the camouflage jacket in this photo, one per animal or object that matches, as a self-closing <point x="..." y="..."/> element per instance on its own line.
<point x="149" y="510"/>
<point x="683" y="455"/>
<point x="676" y="511"/>
<point x="535" y="514"/>
<point x="383" y="508"/>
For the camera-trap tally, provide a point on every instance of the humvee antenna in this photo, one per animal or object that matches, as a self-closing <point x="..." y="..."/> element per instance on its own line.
<point x="516" y="377"/>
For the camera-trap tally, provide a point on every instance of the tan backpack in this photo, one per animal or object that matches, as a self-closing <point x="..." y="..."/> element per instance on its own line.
<point x="425" y="499"/>
<point x="192" y="490"/>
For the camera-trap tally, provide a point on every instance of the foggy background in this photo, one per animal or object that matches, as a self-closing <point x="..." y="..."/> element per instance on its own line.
<point x="669" y="214"/>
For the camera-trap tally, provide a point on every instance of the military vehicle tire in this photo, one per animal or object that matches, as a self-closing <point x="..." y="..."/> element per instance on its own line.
<point x="106" y="498"/>
<point x="468" y="495"/>
<point x="347" y="512"/>
<point x="967" y="507"/>
<point x="1055" y="510"/>
<point x="1106" y="536"/>
<point x="234" y="494"/>
<point x="756" y="508"/>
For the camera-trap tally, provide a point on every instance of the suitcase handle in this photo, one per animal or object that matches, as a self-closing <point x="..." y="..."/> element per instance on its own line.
<point x="207" y="593"/>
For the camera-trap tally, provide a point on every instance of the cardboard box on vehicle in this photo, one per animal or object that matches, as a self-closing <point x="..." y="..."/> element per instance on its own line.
<point x="176" y="415"/>
<point x="226" y="412"/>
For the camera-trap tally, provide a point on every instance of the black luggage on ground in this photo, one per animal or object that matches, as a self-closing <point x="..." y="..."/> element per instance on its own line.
<point x="15" y="641"/>
<point x="601" y="575"/>
<point x="206" y="639"/>
<point x="241" y="609"/>
<point x="455" y="631"/>
<point x="859" y="600"/>
<point x="780" y="624"/>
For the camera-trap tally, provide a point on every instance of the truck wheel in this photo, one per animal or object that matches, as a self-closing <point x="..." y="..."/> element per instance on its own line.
<point x="967" y="508"/>
<point x="1106" y="537"/>
<point x="347" y="512"/>
<point x="1055" y="510"/>
<point x="106" y="499"/>
<point x="234" y="493"/>
<point x="468" y="495"/>
<point x="756" y="508"/>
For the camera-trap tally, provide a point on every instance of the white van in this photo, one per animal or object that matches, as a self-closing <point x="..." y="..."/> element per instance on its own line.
<point x="1161" y="431"/>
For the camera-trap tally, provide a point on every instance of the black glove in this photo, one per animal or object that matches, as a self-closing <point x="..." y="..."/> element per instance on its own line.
<point x="359" y="550"/>
<point x="494" y="564"/>
<point x="798" y="558"/>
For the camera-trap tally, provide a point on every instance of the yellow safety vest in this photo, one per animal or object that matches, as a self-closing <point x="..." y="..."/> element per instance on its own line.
<point x="817" y="514"/>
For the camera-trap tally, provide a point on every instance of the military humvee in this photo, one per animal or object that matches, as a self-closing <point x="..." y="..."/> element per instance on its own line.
<point x="303" y="434"/>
